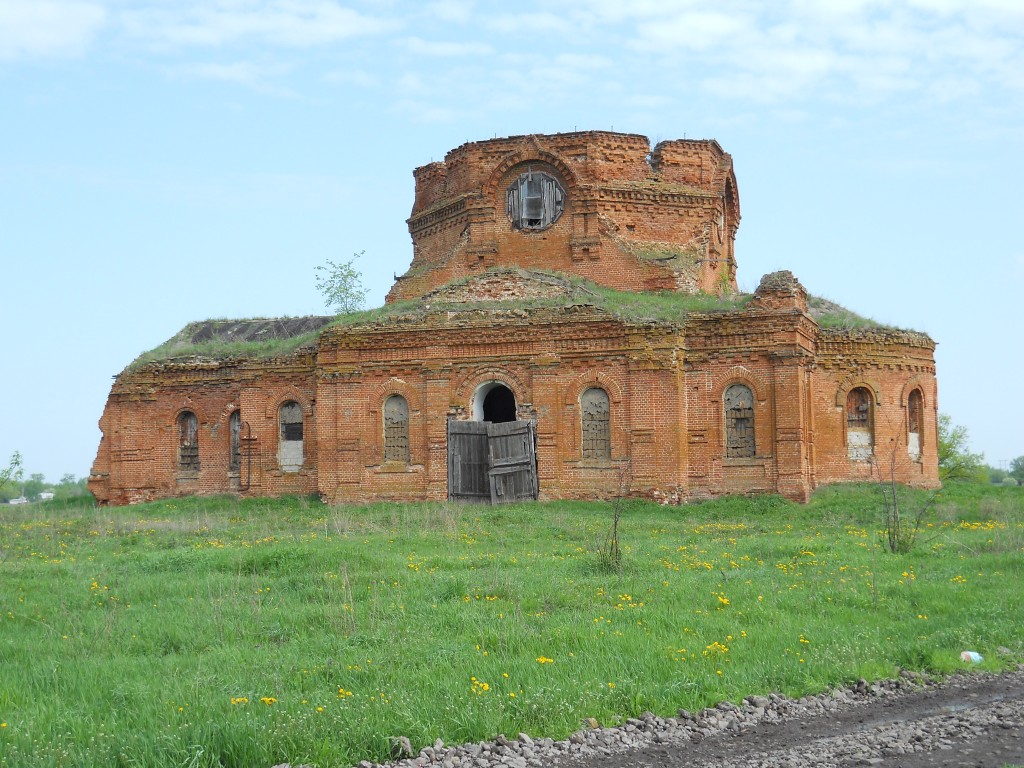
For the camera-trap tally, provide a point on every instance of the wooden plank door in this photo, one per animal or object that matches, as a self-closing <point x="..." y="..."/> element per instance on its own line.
<point x="468" y="461"/>
<point x="512" y="460"/>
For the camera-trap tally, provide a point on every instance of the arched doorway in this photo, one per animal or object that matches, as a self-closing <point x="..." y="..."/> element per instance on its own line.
<point x="494" y="402"/>
<point x="493" y="457"/>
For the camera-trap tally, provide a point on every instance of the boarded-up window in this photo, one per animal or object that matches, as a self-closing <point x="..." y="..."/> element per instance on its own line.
<point x="859" y="428"/>
<point x="739" y="422"/>
<point x="290" y="449"/>
<point x="915" y="414"/>
<point x="188" y="442"/>
<point x="595" y="417"/>
<point x="235" y="441"/>
<point x="396" y="429"/>
<point x="534" y="201"/>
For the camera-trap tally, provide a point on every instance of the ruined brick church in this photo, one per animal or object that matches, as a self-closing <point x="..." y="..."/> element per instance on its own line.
<point x="569" y="327"/>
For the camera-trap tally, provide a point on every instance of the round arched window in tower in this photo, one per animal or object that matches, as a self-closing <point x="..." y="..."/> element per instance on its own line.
<point x="535" y="200"/>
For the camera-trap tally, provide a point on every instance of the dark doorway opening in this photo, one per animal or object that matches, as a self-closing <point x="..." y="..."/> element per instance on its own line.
<point x="499" y="405"/>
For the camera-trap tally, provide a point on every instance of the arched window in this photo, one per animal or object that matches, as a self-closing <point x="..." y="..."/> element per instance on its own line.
<point x="739" y="422"/>
<point x="235" y="441"/>
<point x="595" y="424"/>
<point x="290" y="449"/>
<point x="915" y="418"/>
<point x="188" y="442"/>
<point x="396" y="429"/>
<point x="860" y="439"/>
<point x="534" y="201"/>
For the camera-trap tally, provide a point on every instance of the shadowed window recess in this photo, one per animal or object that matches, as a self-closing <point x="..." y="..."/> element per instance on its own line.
<point x="290" y="451"/>
<point x="188" y="442"/>
<point x="739" y="422"/>
<point x="235" y="441"/>
<point x="915" y="419"/>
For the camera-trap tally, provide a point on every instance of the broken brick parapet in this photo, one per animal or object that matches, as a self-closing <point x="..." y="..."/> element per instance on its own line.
<point x="617" y="204"/>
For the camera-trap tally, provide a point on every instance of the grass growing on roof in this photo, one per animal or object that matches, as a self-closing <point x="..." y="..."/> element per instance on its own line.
<point x="218" y="632"/>
<point x="216" y="349"/>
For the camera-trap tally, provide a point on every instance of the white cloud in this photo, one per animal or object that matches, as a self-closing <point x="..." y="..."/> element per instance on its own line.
<point x="357" y="77"/>
<point x="698" y="31"/>
<point x="48" y="27"/>
<point x="426" y="112"/>
<point x="245" y="72"/>
<point x="421" y="47"/>
<point x="296" y="23"/>
<point x="450" y="10"/>
<point x="534" y="23"/>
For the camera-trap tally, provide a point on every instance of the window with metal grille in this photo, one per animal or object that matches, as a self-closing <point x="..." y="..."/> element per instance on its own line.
<point x="291" y="421"/>
<point x="235" y="437"/>
<point x="739" y="422"/>
<point x="595" y="422"/>
<point x="534" y="201"/>
<point x="188" y="442"/>
<point x="858" y="408"/>
<point x="396" y="429"/>
<point x="859" y="428"/>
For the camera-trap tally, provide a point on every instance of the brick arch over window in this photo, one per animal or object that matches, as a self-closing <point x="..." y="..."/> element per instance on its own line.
<point x="466" y="388"/>
<point x="739" y="374"/>
<point x="618" y="416"/>
<point x="851" y="382"/>
<point x="541" y="159"/>
<point x="375" y="406"/>
<point x="916" y="382"/>
<point x="732" y="205"/>
<point x="278" y="397"/>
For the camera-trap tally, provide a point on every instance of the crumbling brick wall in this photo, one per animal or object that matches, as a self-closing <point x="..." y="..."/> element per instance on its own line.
<point x="138" y="460"/>
<point x="634" y="218"/>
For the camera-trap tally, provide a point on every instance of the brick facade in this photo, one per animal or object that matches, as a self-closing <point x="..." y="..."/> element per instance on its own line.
<point x="632" y="219"/>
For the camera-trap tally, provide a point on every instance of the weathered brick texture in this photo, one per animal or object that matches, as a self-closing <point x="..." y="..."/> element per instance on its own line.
<point x="634" y="219"/>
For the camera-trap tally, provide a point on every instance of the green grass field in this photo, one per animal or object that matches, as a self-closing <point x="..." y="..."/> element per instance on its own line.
<point x="217" y="632"/>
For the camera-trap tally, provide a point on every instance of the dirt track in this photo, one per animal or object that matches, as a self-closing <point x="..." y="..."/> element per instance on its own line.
<point x="966" y="721"/>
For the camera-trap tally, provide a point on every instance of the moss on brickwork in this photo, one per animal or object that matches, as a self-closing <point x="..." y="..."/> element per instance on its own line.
<point x="263" y="338"/>
<point x="828" y="314"/>
<point x="220" y="339"/>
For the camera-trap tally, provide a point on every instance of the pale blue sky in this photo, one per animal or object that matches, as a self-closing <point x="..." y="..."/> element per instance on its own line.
<point x="163" y="161"/>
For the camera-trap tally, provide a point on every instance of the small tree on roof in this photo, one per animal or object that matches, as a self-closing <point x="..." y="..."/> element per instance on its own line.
<point x="342" y="285"/>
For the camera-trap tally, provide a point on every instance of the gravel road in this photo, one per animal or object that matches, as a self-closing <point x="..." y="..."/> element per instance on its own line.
<point x="969" y="720"/>
<point x="911" y="722"/>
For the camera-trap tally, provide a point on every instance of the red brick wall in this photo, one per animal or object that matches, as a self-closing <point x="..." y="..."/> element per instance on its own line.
<point x="665" y="386"/>
<point x="625" y="215"/>
<point x="137" y="459"/>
